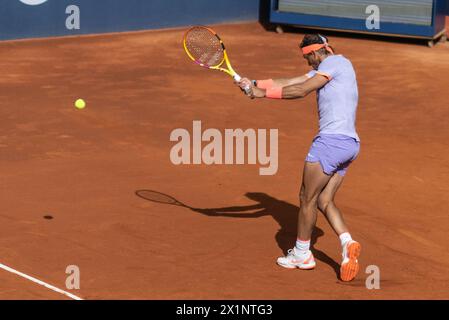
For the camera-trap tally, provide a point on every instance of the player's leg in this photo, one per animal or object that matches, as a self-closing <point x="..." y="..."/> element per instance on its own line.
<point x="327" y="205"/>
<point x="351" y="249"/>
<point x="313" y="183"/>
<point x="314" y="180"/>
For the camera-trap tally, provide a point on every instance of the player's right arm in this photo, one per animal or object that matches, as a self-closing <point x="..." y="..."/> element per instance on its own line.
<point x="290" y="81"/>
<point x="295" y="91"/>
<point x="281" y="82"/>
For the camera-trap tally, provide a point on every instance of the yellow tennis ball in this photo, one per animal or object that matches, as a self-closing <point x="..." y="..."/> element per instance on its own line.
<point x="80" y="104"/>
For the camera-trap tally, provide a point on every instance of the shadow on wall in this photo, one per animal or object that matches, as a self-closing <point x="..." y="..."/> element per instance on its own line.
<point x="264" y="13"/>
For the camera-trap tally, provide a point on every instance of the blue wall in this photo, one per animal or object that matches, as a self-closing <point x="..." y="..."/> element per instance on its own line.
<point x="18" y="20"/>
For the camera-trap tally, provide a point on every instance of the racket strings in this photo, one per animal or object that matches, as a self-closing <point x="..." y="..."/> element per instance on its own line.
<point x="204" y="47"/>
<point x="155" y="196"/>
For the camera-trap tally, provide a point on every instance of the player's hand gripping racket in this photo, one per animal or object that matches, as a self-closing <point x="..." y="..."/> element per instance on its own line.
<point x="205" y="47"/>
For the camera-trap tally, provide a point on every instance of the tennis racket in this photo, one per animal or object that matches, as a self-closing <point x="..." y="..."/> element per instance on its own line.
<point x="204" y="47"/>
<point x="159" y="197"/>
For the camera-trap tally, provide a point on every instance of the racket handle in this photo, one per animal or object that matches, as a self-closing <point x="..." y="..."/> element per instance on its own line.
<point x="247" y="89"/>
<point x="237" y="78"/>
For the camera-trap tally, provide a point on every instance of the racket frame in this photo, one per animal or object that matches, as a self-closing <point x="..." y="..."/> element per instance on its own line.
<point x="230" y="71"/>
<point x="172" y="201"/>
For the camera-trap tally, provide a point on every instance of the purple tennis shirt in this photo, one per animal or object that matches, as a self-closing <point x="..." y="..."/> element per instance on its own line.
<point x="338" y="99"/>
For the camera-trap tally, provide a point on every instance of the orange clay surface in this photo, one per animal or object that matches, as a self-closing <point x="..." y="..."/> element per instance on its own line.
<point x="84" y="166"/>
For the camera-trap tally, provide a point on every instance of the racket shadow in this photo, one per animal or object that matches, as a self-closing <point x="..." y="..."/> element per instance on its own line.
<point x="284" y="213"/>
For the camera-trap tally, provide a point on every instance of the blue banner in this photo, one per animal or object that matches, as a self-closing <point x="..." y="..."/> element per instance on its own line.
<point x="43" y="18"/>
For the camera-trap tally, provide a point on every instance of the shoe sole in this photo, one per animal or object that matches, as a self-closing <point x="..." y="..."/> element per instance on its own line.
<point x="349" y="270"/>
<point x="295" y="267"/>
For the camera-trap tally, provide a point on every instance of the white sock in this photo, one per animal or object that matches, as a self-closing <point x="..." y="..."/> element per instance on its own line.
<point x="344" y="238"/>
<point x="302" y="247"/>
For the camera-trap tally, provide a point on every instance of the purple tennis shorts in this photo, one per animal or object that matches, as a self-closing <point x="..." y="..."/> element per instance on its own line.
<point x="334" y="152"/>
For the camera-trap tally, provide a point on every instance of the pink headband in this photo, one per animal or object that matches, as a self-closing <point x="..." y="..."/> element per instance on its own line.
<point x="315" y="47"/>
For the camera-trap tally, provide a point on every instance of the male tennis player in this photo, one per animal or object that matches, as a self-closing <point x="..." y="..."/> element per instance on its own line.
<point x="332" y="150"/>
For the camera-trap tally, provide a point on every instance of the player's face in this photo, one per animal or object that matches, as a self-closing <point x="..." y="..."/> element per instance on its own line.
<point x="312" y="60"/>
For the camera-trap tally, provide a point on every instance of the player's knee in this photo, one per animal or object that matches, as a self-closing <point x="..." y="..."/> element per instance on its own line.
<point x="306" y="199"/>
<point x="323" y="203"/>
<point x="302" y="196"/>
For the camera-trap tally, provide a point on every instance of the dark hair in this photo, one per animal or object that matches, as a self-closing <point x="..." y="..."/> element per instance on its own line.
<point x="316" y="38"/>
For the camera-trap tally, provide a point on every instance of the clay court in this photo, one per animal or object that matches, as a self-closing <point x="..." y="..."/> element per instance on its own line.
<point x="83" y="167"/>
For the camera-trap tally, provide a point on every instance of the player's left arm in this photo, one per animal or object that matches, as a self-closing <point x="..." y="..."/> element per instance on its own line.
<point x="297" y="90"/>
<point x="302" y="90"/>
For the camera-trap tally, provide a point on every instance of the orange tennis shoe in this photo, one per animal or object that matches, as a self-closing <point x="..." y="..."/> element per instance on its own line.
<point x="350" y="264"/>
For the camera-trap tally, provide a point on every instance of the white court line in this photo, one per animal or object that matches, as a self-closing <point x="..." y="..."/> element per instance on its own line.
<point x="42" y="283"/>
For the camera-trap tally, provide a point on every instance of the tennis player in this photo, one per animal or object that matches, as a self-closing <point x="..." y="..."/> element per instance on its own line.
<point x="334" y="148"/>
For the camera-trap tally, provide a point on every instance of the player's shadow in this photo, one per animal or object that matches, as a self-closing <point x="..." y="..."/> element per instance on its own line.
<point x="284" y="213"/>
